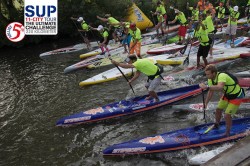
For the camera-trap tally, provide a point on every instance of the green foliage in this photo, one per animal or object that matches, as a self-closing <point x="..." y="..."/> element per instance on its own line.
<point x="89" y="9"/>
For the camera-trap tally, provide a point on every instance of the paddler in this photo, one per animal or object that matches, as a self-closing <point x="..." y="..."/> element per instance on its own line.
<point x="231" y="99"/>
<point x="221" y="15"/>
<point x="160" y="20"/>
<point x="205" y="42"/>
<point x="232" y="23"/>
<point x="104" y="38"/>
<point x="85" y="29"/>
<point x="147" y="67"/>
<point x="180" y="16"/>
<point x="114" y="26"/>
<point x="135" y="44"/>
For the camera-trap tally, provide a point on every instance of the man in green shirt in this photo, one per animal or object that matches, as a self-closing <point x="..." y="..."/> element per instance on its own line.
<point x="85" y="29"/>
<point x="221" y="15"/>
<point x="114" y="26"/>
<point x="231" y="99"/>
<point x="162" y="11"/>
<point x="232" y="22"/>
<point x="180" y="16"/>
<point x="208" y="22"/>
<point x="195" y="16"/>
<point x="135" y="44"/>
<point x="205" y="42"/>
<point x="147" y="67"/>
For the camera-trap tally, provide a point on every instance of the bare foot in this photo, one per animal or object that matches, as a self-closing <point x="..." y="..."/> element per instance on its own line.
<point x="148" y="98"/>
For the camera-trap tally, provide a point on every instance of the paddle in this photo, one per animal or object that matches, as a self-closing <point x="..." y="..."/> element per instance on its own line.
<point x="123" y="75"/>
<point x="81" y="35"/>
<point x="204" y="107"/>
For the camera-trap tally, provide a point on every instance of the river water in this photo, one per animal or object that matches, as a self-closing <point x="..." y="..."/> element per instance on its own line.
<point x="35" y="93"/>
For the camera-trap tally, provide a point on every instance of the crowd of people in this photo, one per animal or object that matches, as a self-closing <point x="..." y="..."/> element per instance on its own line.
<point x="205" y="20"/>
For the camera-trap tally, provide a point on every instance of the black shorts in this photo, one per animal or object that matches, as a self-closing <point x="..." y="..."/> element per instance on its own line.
<point x="107" y="42"/>
<point x="203" y="51"/>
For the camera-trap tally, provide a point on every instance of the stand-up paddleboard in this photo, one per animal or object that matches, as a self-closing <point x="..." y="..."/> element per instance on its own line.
<point x="106" y="76"/>
<point x="99" y="51"/>
<point x="204" y="157"/>
<point x="243" y="74"/>
<point x="93" y="59"/>
<point x="114" y="73"/>
<point x="192" y="72"/>
<point x="167" y="31"/>
<point x="67" y="50"/>
<point x="242" y="20"/>
<point x="130" y="106"/>
<point x="245" y="55"/>
<point x="120" y="57"/>
<point x="198" y="107"/>
<point x="181" y="139"/>
<point x="169" y="48"/>
<point x="237" y="42"/>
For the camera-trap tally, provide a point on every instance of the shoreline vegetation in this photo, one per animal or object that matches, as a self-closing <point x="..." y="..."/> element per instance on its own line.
<point x="13" y="11"/>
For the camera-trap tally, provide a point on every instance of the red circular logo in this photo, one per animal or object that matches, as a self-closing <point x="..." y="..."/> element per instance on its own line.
<point x="15" y="32"/>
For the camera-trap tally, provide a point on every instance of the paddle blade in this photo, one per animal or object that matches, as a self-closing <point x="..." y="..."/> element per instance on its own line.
<point x="183" y="49"/>
<point x="208" y="129"/>
<point x="186" y="61"/>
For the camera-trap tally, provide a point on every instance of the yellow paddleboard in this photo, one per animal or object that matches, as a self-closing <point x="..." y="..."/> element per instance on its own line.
<point x="82" y="56"/>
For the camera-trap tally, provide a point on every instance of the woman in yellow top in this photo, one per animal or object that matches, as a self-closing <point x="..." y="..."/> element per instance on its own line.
<point x="231" y="99"/>
<point x="147" y="67"/>
<point x="104" y="38"/>
<point x="114" y="26"/>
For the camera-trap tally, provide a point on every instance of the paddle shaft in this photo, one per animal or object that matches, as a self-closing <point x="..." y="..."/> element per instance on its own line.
<point x="123" y="76"/>
<point x="204" y="107"/>
<point x="80" y="34"/>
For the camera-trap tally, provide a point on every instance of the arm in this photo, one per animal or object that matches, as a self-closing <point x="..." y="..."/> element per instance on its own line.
<point x="227" y="4"/>
<point x="104" y="41"/>
<point x="72" y="18"/>
<point x="102" y="19"/>
<point x="137" y="74"/>
<point x="123" y="65"/>
<point x="172" y="22"/>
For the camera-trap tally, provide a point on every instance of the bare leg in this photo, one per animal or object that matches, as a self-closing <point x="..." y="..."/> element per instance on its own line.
<point x="228" y="119"/>
<point x="198" y="61"/>
<point x="218" y="115"/>
<point x="205" y="61"/>
<point x="154" y="95"/>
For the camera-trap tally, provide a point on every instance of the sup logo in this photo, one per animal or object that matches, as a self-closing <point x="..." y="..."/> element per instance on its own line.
<point x="40" y="17"/>
<point x="15" y="32"/>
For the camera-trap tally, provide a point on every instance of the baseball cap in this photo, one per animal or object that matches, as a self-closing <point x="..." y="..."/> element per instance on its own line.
<point x="236" y="8"/>
<point x="100" y="27"/>
<point x="132" y="25"/>
<point x="80" y="19"/>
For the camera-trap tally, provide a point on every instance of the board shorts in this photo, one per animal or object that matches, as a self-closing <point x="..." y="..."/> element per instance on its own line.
<point x="127" y="40"/>
<point x="151" y="85"/>
<point x="203" y="51"/>
<point x="136" y="49"/>
<point x="233" y="29"/>
<point x="230" y="106"/>
<point x="182" y="30"/>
